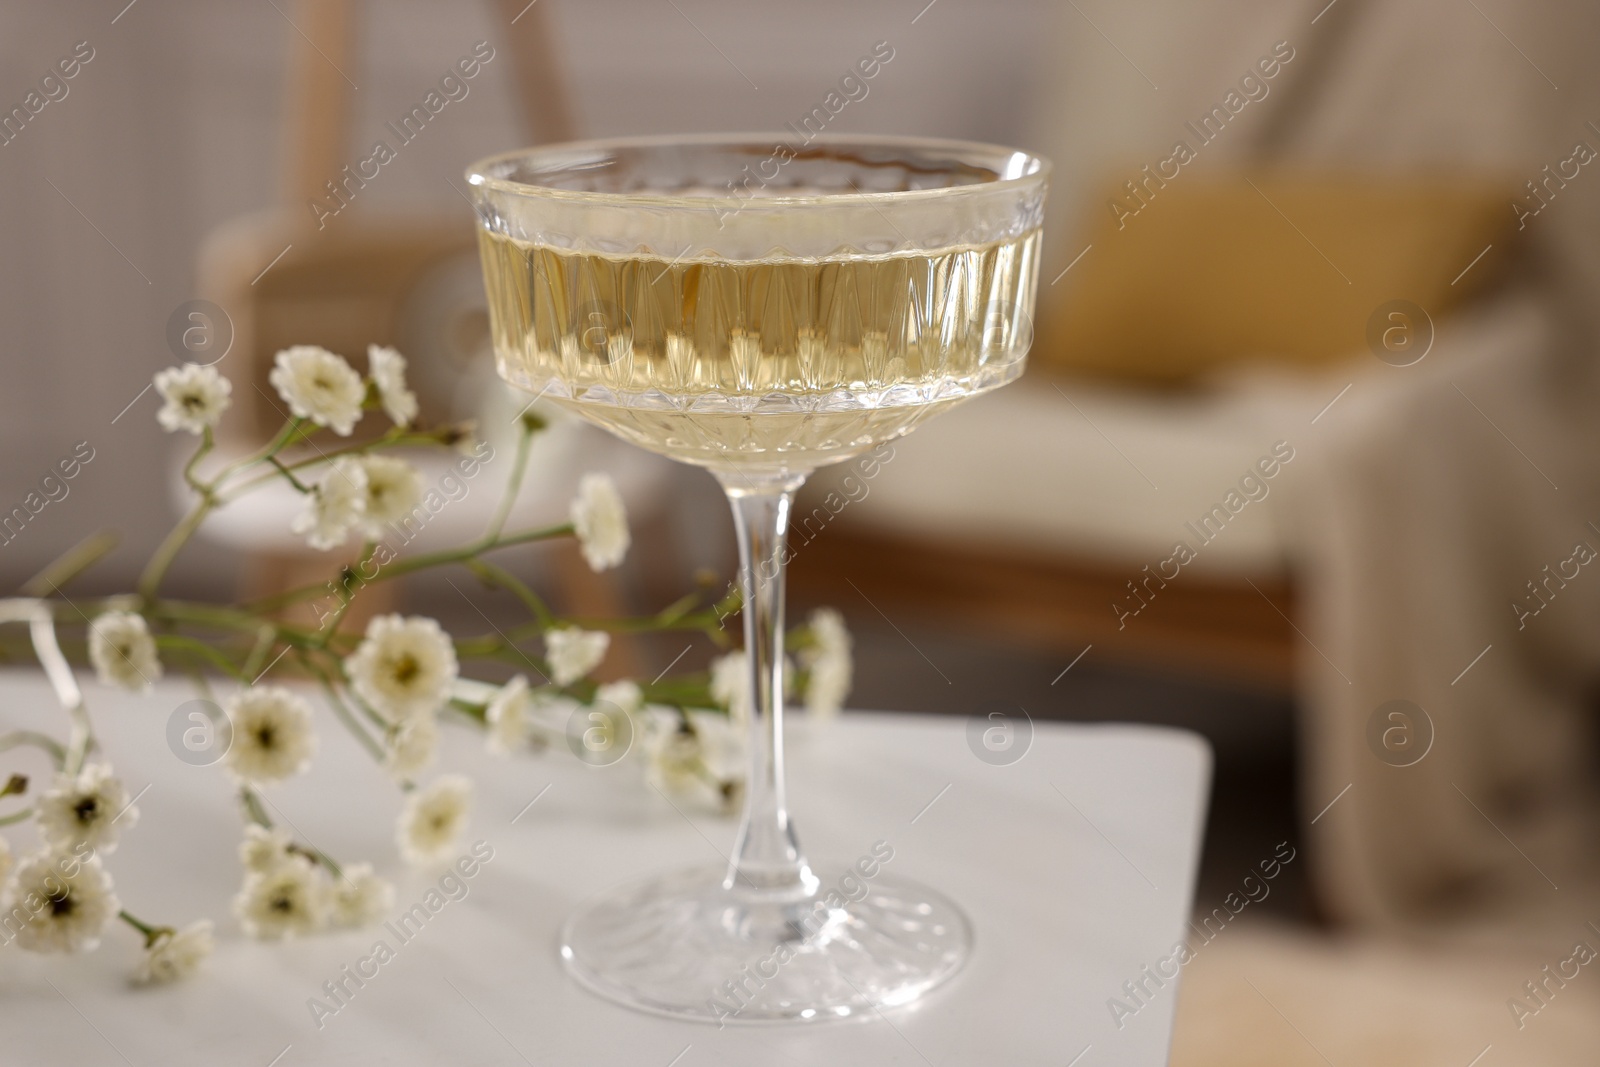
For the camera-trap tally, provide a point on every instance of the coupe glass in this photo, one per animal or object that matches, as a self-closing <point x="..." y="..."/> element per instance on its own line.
<point x="761" y="309"/>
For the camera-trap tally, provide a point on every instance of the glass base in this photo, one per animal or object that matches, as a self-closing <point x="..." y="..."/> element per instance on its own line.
<point x="684" y="946"/>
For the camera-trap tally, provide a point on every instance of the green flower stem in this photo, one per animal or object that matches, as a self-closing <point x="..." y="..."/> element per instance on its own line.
<point x="17" y="816"/>
<point x="81" y="743"/>
<point x="494" y="650"/>
<point x="683" y="697"/>
<point x="417" y="563"/>
<point x="327" y="861"/>
<point x="478" y="713"/>
<point x="203" y="650"/>
<point x="330" y="628"/>
<point x="680" y="607"/>
<point x="341" y="711"/>
<point x="71" y="563"/>
<point x="253" y="809"/>
<point x="257" y="814"/>
<point x="293" y="430"/>
<point x="395" y="437"/>
<point x="519" y="466"/>
<point x="476" y="548"/>
<point x="156" y="569"/>
<point x="494" y="574"/>
<point x="266" y="641"/>
<point x="289" y="474"/>
<point x="681" y="685"/>
<point x="227" y="618"/>
<point x="671" y="619"/>
<point x="47" y="650"/>
<point x="56" y="750"/>
<point x="207" y="443"/>
<point x="150" y="580"/>
<point x="370" y="712"/>
<point x="703" y="621"/>
<point x="151" y="933"/>
<point x="487" y="646"/>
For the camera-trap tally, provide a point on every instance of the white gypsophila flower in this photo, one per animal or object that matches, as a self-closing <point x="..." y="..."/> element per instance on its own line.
<point x="195" y="397"/>
<point x="697" y="757"/>
<point x="829" y="634"/>
<point x="573" y="653"/>
<point x="283" y="901"/>
<point x="434" y="819"/>
<point x="320" y="386"/>
<point x="672" y="753"/>
<point x="601" y="521"/>
<point x="90" y="808"/>
<point x="394" y="489"/>
<point x="723" y="742"/>
<point x="175" y="954"/>
<point x="411" y="747"/>
<point x="64" y="903"/>
<point x="404" y="666"/>
<point x="122" y="651"/>
<point x="827" y="686"/>
<point x="829" y="664"/>
<point x="507" y="716"/>
<point x="730" y="685"/>
<point x="723" y="751"/>
<point x="334" y="505"/>
<point x="624" y="694"/>
<point x="263" y="849"/>
<point x="272" y="735"/>
<point x="388" y="370"/>
<point x="360" y="897"/>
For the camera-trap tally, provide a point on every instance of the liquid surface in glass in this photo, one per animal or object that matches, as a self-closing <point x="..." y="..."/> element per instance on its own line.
<point x="773" y="365"/>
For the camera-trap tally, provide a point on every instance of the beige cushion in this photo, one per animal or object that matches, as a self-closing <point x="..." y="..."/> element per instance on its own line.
<point x="1206" y="272"/>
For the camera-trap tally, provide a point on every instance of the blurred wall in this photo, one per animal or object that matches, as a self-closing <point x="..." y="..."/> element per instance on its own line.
<point x="174" y="126"/>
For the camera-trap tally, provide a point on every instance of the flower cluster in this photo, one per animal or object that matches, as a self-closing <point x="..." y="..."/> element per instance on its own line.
<point x="291" y="889"/>
<point x="393" y="683"/>
<point x="59" y="902"/>
<point x="696" y="756"/>
<point x="60" y="898"/>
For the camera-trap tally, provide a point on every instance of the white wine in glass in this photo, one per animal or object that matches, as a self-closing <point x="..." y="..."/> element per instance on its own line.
<point x="776" y="363"/>
<point x="761" y="309"/>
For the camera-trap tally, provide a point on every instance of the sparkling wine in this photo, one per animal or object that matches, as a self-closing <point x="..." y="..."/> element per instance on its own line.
<point x="776" y="364"/>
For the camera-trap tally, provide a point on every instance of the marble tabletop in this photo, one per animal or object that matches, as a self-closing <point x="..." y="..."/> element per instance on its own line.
<point x="1074" y="853"/>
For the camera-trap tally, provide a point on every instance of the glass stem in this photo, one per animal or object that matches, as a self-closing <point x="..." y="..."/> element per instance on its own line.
<point x="766" y="857"/>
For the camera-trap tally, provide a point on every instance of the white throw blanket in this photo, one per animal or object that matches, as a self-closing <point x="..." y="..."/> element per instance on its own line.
<point x="1446" y="488"/>
<point x="1430" y="508"/>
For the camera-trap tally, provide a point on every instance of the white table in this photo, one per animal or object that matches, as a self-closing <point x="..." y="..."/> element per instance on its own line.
<point x="1076" y="865"/>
